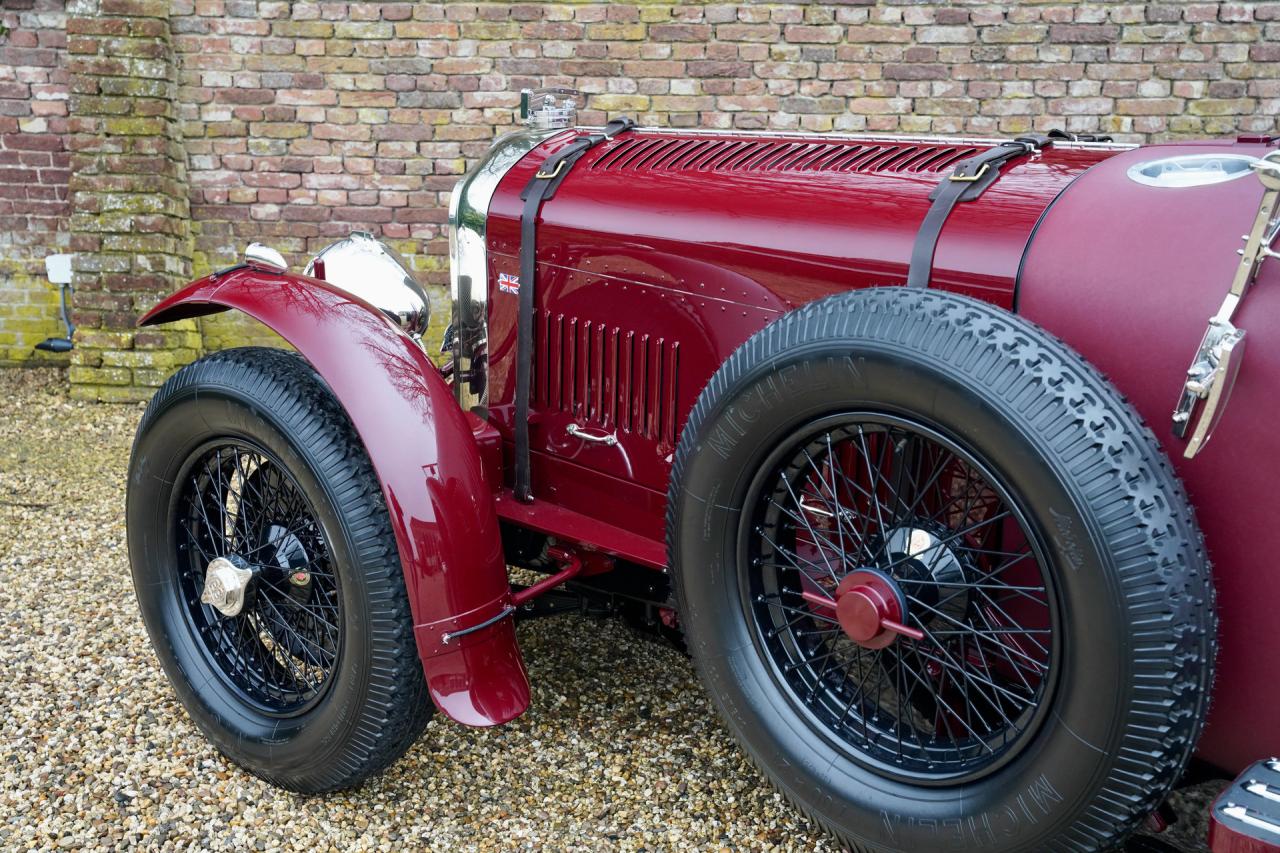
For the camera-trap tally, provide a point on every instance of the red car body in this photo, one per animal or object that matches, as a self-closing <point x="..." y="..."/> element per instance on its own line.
<point x="681" y="262"/>
<point x="663" y="252"/>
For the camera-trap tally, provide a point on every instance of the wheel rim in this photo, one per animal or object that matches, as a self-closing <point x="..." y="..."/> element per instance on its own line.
<point x="862" y="517"/>
<point x="237" y="503"/>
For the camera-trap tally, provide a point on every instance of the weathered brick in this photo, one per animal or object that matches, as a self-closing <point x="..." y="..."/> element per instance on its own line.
<point x="709" y="68"/>
<point x="1013" y="33"/>
<point x="1084" y="33"/>
<point x="748" y="32"/>
<point x="1212" y="32"/>
<point x="680" y="32"/>
<point x="877" y="33"/>
<point x="916" y="71"/>
<point x="800" y="33"/>
<point x="1221" y="106"/>
<point x="1150" y="106"/>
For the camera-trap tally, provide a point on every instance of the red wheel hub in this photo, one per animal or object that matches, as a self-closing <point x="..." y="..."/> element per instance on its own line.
<point x="869" y="608"/>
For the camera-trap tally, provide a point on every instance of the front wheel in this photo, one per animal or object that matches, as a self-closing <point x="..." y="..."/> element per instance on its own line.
<point x="267" y="573"/>
<point x="939" y="579"/>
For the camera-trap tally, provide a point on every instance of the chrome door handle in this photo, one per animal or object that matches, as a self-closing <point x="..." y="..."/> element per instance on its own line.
<point x="578" y="432"/>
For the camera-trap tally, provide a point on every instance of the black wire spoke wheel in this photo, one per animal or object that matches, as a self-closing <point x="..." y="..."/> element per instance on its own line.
<point x="268" y="575"/>
<point x="239" y="504"/>
<point x="890" y="512"/>
<point x="939" y="580"/>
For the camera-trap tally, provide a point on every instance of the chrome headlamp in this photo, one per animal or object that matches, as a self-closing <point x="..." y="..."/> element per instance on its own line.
<point x="371" y="270"/>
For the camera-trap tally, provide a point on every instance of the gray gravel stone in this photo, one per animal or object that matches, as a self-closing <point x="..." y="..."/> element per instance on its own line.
<point x="620" y="750"/>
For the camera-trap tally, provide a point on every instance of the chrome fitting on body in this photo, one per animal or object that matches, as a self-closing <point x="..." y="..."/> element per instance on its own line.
<point x="467" y="337"/>
<point x="369" y="269"/>
<point x="261" y="257"/>
<point x="1213" y="370"/>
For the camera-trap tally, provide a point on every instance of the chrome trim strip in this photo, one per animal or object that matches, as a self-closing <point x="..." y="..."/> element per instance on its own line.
<point x="1262" y="789"/>
<point x="867" y="137"/>
<point x="1251" y="818"/>
<point x="469" y="264"/>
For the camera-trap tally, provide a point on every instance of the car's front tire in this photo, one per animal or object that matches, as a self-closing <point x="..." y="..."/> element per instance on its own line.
<point x="248" y="486"/>
<point x="939" y="579"/>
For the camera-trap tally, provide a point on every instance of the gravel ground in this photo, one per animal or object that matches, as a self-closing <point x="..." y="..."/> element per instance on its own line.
<point x="620" y="751"/>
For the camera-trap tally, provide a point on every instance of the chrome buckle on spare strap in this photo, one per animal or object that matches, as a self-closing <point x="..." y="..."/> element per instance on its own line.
<point x="968" y="180"/>
<point x="1213" y="371"/>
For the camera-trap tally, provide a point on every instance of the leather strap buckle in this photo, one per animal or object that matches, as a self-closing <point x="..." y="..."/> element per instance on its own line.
<point x="546" y="176"/>
<point x="1034" y="143"/>
<point x="965" y="179"/>
<point x="974" y="174"/>
<point x="618" y="125"/>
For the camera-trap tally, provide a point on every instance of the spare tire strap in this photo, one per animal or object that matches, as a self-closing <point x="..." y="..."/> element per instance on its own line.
<point x="969" y="180"/>
<point x="541" y="186"/>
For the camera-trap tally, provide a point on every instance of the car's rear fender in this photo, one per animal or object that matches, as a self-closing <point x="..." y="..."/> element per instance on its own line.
<point x="426" y="458"/>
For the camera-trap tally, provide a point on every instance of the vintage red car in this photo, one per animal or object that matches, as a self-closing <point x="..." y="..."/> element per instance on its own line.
<point x="941" y="552"/>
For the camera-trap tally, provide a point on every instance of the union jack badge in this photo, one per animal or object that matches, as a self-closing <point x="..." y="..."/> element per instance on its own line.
<point x="508" y="283"/>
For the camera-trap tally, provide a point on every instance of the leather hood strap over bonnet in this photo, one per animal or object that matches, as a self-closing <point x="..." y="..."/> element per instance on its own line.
<point x="967" y="181"/>
<point x="541" y="186"/>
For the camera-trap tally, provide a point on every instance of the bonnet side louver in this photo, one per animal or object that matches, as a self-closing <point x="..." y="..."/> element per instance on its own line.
<point x="607" y="376"/>
<point x="666" y="154"/>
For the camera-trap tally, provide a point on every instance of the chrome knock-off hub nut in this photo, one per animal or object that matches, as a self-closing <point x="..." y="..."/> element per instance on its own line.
<point x="225" y="585"/>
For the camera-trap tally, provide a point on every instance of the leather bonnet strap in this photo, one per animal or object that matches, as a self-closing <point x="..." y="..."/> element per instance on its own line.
<point x="969" y="180"/>
<point x="541" y="186"/>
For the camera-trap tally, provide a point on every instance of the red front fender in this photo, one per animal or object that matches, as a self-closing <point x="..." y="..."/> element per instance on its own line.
<point x="426" y="458"/>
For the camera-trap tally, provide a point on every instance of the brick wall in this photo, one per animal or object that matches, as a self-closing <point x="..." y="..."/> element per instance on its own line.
<point x="33" y="174"/>
<point x="300" y="121"/>
<point x="303" y="120"/>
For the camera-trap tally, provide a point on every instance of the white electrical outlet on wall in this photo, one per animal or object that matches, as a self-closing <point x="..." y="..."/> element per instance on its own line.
<point x="58" y="268"/>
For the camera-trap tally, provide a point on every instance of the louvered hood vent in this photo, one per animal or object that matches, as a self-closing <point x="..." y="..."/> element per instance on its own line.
<point x="672" y="154"/>
<point x="612" y="377"/>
